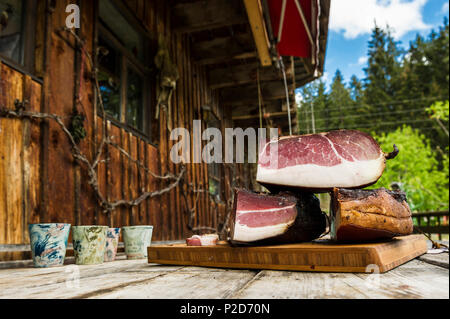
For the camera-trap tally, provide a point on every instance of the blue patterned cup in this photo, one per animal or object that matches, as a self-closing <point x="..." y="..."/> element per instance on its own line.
<point x="136" y="240"/>
<point x="48" y="244"/>
<point x="112" y="242"/>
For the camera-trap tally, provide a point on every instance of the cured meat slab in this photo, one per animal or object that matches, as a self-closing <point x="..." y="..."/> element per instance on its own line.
<point x="319" y="162"/>
<point x="322" y="255"/>
<point x="365" y="215"/>
<point x="282" y="218"/>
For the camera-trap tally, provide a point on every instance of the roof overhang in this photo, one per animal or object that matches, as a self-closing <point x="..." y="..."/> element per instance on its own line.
<point x="236" y="42"/>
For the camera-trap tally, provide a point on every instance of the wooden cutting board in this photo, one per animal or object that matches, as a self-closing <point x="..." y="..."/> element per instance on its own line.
<point x="323" y="255"/>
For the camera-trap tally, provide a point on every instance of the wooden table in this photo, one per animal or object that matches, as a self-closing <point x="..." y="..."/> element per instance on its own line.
<point x="423" y="277"/>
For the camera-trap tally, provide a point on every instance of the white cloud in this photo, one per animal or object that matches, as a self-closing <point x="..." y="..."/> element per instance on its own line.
<point x="444" y="8"/>
<point x="356" y="17"/>
<point x="362" y="60"/>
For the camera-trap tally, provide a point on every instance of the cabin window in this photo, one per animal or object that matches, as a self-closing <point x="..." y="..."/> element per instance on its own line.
<point x="16" y="17"/>
<point x="214" y="180"/>
<point x="122" y="72"/>
<point x="214" y="169"/>
<point x="109" y="78"/>
<point x="135" y="93"/>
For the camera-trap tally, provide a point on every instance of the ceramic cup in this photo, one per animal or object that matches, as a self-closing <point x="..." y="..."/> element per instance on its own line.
<point x="48" y="244"/>
<point x="112" y="241"/>
<point x="136" y="240"/>
<point x="89" y="244"/>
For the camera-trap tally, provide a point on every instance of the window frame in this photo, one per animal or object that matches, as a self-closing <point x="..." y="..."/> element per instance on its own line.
<point x="214" y="119"/>
<point x="26" y="65"/>
<point x="129" y="61"/>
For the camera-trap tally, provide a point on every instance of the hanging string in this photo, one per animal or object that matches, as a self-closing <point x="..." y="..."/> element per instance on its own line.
<point x="282" y="15"/>
<point x="287" y="94"/>
<point x="259" y="98"/>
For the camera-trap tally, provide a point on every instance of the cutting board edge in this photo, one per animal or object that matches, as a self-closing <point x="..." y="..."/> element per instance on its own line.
<point x="385" y="256"/>
<point x="416" y="245"/>
<point x="326" y="269"/>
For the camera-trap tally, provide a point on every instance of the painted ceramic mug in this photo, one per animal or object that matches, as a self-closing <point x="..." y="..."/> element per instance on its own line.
<point x="112" y="241"/>
<point x="136" y="240"/>
<point x="89" y="244"/>
<point x="48" y="244"/>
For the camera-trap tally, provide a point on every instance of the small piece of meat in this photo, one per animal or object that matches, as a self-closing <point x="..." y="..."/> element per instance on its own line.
<point x="203" y="240"/>
<point x="367" y="215"/>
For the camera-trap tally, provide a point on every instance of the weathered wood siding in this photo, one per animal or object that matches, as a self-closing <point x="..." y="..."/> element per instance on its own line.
<point x="19" y="159"/>
<point x="39" y="181"/>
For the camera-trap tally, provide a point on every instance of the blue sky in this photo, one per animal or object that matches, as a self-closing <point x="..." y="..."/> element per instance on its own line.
<point x="351" y="22"/>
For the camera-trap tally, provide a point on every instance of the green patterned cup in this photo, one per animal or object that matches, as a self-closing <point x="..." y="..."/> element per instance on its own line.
<point x="89" y="244"/>
<point x="136" y="240"/>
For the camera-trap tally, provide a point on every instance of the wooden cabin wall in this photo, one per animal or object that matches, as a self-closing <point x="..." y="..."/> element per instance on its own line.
<point x="39" y="180"/>
<point x="19" y="158"/>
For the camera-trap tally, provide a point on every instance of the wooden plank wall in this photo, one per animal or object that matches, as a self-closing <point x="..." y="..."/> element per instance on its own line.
<point x="39" y="181"/>
<point x="19" y="159"/>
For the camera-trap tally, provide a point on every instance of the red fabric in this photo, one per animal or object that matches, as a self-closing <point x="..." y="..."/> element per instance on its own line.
<point x="294" y="39"/>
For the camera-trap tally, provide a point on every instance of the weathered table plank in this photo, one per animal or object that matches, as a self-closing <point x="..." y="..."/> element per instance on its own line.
<point x="420" y="278"/>
<point x="436" y="259"/>
<point x="186" y="283"/>
<point x="77" y="281"/>
<point x="415" y="279"/>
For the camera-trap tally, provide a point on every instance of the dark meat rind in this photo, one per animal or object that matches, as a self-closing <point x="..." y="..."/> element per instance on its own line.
<point x="360" y="194"/>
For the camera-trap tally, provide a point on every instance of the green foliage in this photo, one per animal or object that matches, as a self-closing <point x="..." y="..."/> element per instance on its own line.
<point x="76" y="127"/>
<point x="416" y="169"/>
<point x="314" y="99"/>
<point x="383" y="69"/>
<point x="439" y="110"/>
<point x="340" y="99"/>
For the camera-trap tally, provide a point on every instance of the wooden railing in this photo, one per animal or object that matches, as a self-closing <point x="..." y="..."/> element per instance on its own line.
<point x="432" y="222"/>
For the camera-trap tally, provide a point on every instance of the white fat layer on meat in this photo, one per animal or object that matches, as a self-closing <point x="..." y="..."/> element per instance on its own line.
<point x="207" y="240"/>
<point x="244" y="233"/>
<point x="346" y="174"/>
<point x="266" y="210"/>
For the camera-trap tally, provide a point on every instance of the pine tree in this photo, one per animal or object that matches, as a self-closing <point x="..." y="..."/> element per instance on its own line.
<point x="322" y="108"/>
<point x="383" y="78"/>
<point x="356" y="89"/>
<point x="425" y="72"/>
<point x="341" y="104"/>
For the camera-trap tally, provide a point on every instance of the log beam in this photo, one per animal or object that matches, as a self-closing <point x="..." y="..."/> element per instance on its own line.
<point x="220" y="50"/>
<point x="253" y="109"/>
<point x="266" y="115"/>
<point x="256" y="19"/>
<point x="248" y="94"/>
<point x="236" y="75"/>
<point x="200" y="16"/>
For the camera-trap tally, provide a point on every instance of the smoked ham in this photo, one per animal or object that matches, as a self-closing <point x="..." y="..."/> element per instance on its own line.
<point x="282" y="218"/>
<point x="366" y="215"/>
<point x="319" y="162"/>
